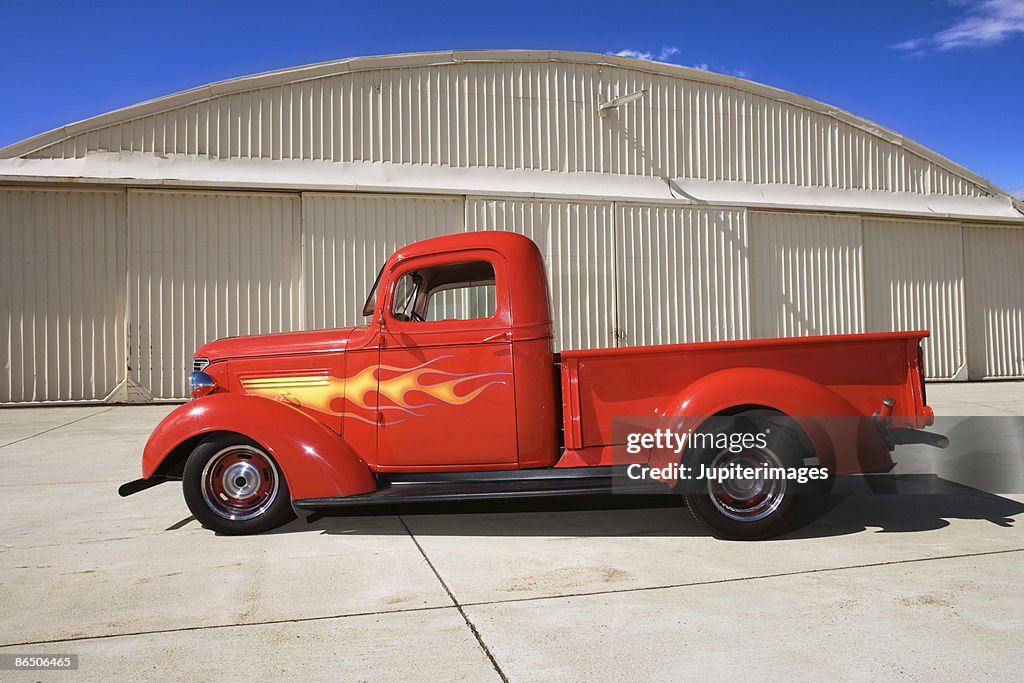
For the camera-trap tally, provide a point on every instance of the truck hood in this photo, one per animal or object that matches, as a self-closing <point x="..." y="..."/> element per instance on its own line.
<point x="311" y="341"/>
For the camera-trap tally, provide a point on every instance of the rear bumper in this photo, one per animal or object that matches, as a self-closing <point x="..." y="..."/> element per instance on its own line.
<point x="900" y="436"/>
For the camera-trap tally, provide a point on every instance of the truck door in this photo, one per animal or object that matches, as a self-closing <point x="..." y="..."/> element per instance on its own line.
<point x="445" y="395"/>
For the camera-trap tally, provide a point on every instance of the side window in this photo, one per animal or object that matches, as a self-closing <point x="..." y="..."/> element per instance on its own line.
<point x="462" y="302"/>
<point x="406" y="292"/>
<point x="459" y="291"/>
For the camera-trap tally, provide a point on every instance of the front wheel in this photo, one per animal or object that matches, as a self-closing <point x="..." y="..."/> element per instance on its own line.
<point x="233" y="486"/>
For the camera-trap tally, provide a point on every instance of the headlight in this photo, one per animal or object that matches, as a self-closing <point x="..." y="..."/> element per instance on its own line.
<point x="199" y="382"/>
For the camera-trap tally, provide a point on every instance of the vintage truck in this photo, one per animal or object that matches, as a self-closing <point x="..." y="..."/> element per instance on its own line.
<point x="452" y="391"/>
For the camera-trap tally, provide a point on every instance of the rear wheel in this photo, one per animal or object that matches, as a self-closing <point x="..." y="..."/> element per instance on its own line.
<point x="747" y="508"/>
<point x="233" y="486"/>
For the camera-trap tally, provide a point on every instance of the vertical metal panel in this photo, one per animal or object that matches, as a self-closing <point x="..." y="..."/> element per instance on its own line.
<point x="347" y="238"/>
<point x="62" y="295"/>
<point x="682" y="274"/>
<point x="914" y="280"/>
<point x="805" y="274"/>
<point x="994" y="269"/>
<point x="205" y="265"/>
<point x="578" y="246"/>
<point x="503" y="113"/>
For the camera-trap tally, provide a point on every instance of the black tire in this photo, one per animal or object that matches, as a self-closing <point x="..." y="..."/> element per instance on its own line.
<point x="756" y="509"/>
<point x="233" y="486"/>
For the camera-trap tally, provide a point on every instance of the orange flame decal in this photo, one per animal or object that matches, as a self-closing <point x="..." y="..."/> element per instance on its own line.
<point x="318" y="392"/>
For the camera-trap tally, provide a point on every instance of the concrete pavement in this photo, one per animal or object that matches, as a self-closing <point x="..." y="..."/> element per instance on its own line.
<point x="609" y="589"/>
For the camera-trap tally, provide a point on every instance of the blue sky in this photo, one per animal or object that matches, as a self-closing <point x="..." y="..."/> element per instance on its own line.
<point x="946" y="73"/>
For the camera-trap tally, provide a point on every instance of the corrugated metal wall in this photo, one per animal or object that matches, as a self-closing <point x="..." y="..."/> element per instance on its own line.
<point x="806" y="274"/>
<point x="682" y="274"/>
<point x="914" y="280"/>
<point x="105" y="294"/>
<point x="577" y="242"/>
<point x="346" y="239"/>
<point x="61" y="294"/>
<point x="205" y="265"/>
<point x="504" y="113"/>
<point x="994" y="271"/>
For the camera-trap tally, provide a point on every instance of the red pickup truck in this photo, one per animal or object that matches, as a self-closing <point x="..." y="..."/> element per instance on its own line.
<point x="452" y="391"/>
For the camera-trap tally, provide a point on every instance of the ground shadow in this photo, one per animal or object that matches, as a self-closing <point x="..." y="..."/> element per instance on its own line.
<point x="886" y="504"/>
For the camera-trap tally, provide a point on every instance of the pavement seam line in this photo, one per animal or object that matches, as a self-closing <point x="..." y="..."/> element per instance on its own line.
<point x="738" y="579"/>
<point x="61" y="426"/>
<point x="458" y="606"/>
<point x="209" y="627"/>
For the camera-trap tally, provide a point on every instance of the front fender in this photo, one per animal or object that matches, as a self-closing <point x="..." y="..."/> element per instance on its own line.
<point x="843" y="439"/>
<point x="315" y="461"/>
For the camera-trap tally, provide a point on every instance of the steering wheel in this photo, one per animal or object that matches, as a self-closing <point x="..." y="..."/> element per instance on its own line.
<point x="417" y="317"/>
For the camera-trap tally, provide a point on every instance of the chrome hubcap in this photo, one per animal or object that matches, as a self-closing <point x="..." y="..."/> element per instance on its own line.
<point x="747" y="499"/>
<point x="239" y="482"/>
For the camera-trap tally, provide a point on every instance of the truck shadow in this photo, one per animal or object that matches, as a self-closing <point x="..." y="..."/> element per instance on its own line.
<point x="889" y="504"/>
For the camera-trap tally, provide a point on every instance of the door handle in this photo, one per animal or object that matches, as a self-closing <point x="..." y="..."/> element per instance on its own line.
<point x="501" y="335"/>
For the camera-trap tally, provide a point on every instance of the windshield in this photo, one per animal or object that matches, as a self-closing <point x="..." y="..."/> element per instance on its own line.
<point x="371" y="300"/>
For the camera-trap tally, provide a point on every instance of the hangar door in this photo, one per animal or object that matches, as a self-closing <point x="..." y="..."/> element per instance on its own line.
<point x="625" y="274"/>
<point x="682" y="274"/>
<point x="577" y="242"/>
<point x="914" y="280"/>
<point x="205" y="265"/>
<point x="806" y="274"/>
<point x="61" y="294"/>
<point x="994" y="266"/>
<point x="346" y="239"/>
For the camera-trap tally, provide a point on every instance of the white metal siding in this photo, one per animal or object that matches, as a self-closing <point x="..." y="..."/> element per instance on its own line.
<point x="682" y="274"/>
<point x="206" y="265"/>
<point x="914" y="280"/>
<point x="577" y="242"/>
<point x="347" y="238"/>
<point x="805" y="274"/>
<point x="994" y="269"/>
<point x="512" y="114"/>
<point x="62" y="302"/>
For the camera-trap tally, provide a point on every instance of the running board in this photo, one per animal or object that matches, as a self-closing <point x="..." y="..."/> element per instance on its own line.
<point x="433" y="487"/>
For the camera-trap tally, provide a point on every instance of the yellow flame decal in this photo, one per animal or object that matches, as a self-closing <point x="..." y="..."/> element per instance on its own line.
<point x="318" y="392"/>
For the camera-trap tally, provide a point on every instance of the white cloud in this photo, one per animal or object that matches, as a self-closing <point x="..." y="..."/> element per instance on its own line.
<point x="911" y="44"/>
<point x="634" y="54"/>
<point x="666" y="54"/>
<point x="987" y="22"/>
<point x="662" y="55"/>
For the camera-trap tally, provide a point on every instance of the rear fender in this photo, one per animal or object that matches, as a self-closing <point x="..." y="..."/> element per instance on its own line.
<point x="843" y="439"/>
<point x="315" y="461"/>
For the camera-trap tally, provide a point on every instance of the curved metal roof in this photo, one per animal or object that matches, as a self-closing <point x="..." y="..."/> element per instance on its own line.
<point x="177" y="101"/>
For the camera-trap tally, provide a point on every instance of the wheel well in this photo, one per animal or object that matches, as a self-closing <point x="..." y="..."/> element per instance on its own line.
<point x="802" y="438"/>
<point x="174" y="464"/>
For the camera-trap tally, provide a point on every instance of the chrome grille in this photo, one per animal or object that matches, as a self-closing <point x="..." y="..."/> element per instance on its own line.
<point x="199" y="364"/>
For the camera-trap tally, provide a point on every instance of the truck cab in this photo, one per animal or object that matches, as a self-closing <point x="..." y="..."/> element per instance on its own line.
<point x="464" y="337"/>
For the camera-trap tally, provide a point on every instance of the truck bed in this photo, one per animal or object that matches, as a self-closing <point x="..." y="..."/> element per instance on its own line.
<point x="601" y="384"/>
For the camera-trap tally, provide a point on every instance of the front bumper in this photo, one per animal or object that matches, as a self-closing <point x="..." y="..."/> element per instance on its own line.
<point x="132" y="487"/>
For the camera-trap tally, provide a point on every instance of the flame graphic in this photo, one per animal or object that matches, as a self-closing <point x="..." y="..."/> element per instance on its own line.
<point x="318" y="392"/>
